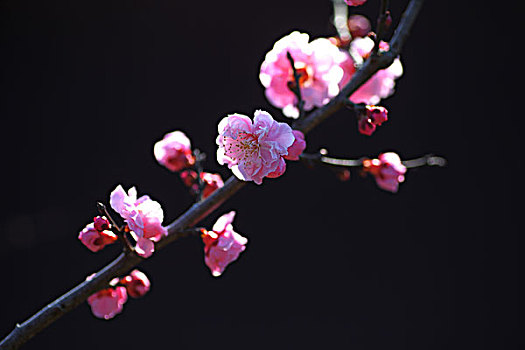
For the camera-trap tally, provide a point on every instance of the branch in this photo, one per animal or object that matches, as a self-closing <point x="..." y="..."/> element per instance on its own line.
<point x="369" y="68"/>
<point x="178" y="228"/>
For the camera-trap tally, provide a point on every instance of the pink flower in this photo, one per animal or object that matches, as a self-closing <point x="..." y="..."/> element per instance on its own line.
<point x="94" y="239"/>
<point x="318" y="64"/>
<point x="211" y="181"/>
<point x="222" y="245"/>
<point x="387" y="170"/>
<point x="297" y="147"/>
<point x="374" y="116"/>
<point x="108" y="302"/>
<point x="253" y="150"/>
<point x="136" y="283"/>
<point x="143" y="216"/>
<point x="355" y="2"/>
<point x="381" y="84"/>
<point x="174" y="151"/>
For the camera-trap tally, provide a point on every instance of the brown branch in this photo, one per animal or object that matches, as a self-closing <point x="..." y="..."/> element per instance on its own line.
<point x="124" y="262"/>
<point x="369" y="68"/>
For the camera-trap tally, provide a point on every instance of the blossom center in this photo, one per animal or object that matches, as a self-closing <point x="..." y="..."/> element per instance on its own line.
<point x="304" y="73"/>
<point x="243" y="148"/>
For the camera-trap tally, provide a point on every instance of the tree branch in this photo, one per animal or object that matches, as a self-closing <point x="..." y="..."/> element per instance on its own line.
<point x="125" y="261"/>
<point x="369" y="68"/>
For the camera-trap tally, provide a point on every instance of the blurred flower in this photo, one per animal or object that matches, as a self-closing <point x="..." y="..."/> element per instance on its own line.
<point x="136" y="283"/>
<point x="211" y="181"/>
<point x="381" y="84"/>
<point x="316" y="62"/>
<point x="253" y="150"/>
<point x="222" y="245"/>
<point x="174" y="151"/>
<point x="143" y="216"/>
<point x="387" y="170"/>
<point x="108" y="302"/>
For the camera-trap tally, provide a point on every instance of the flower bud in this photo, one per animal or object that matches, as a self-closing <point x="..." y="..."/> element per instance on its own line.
<point x="101" y="223"/>
<point x="137" y="284"/>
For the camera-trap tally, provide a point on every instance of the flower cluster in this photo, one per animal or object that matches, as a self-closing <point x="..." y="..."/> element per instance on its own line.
<point x="317" y="62"/>
<point x="97" y="235"/>
<point x="387" y="170"/>
<point x="174" y="152"/>
<point x="324" y="69"/>
<point x="222" y="245"/>
<point x="142" y="215"/>
<point x="381" y="84"/>
<point x="109" y="302"/>
<point x="254" y="150"/>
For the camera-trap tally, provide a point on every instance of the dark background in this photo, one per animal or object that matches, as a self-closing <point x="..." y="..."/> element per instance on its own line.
<point x="87" y="88"/>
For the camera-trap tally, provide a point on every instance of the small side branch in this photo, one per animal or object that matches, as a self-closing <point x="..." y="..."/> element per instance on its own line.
<point x="296" y="87"/>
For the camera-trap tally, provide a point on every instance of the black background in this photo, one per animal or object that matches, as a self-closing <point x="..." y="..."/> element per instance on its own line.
<point x="87" y="88"/>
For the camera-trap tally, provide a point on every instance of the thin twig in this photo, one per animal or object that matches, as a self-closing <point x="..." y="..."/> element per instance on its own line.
<point x="381" y="25"/>
<point x="321" y="158"/>
<point x="296" y="88"/>
<point x="125" y="262"/>
<point x="120" y="230"/>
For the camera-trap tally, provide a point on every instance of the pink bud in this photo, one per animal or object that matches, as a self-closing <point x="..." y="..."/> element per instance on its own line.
<point x="137" y="284"/>
<point x="377" y="114"/>
<point x="96" y="240"/>
<point x="108" y="302"/>
<point x="297" y="147"/>
<point x="101" y="223"/>
<point x="365" y="126"/>
<point x="359" y="26"/>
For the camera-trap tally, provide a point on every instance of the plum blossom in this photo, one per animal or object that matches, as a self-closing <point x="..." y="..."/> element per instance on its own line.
<point x="387" y="170"/>
<point x="96" y="236"/>
<point x="222" y="245"/>
<point x="317" y="63"/>
<point x="136" y="283"/>
<point x="174" y="151"/>
<point x="143" y="215"/>
<point x="253" y="150"/>
<point x="298" y="146"/>
<point x="381" y="84"/>
<point x="355" y="2"/>
<point x="108" y="302"/>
